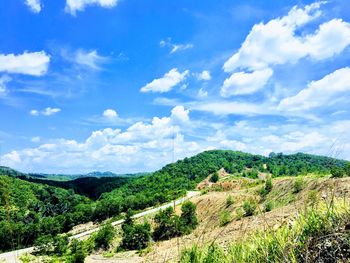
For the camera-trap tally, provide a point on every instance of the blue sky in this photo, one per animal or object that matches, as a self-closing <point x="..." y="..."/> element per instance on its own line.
<point x="107" y="85"/>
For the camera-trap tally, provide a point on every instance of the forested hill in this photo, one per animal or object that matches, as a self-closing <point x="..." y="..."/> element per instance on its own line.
<point x="34" y="211"/>
<point x="174" y="179"/>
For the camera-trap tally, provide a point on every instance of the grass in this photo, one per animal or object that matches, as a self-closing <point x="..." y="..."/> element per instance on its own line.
<point x="225" y="218"/>
<point x="297" y="242"/>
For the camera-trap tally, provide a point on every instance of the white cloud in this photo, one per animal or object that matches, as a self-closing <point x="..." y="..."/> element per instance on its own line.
<point x="204" y="75"/>
<point x="241" y="83"/>
<point x="180" y="113"/>
<point x="142" y="146"/>
<point x="72" y="6"/>
<point x="167" y="82"/>
<point x="35" y="63"/>
<point x="231" y="108"/>
<point x="281" y="41"/>
<point x="110" y="113"/>
<point x="34" y="5"/>
<point x="46" y="112"/>
<point x="90" y="59"/>
<point x="319" y="93"/>
<point x="3" y="81"/>
<point x="174" y="47"/>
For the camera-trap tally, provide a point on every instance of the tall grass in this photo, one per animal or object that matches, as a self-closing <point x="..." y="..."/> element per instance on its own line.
<point x="289" y="243"/>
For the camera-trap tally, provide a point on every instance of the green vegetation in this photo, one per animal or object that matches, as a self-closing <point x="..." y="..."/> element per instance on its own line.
<point x="214" y="178"/>
<point x="318" y="235"/>
<point x="104" y="237"/>
<point x="266" y="189"/>
<point x="169" y="225"/>
<point x="225" y="218"/>
<point x="298" y="185"/>
<point x="229" y="201"/>
<point x="249" y="207"/>
<point x="29" y="211"/>
<point x="135" y="236"/>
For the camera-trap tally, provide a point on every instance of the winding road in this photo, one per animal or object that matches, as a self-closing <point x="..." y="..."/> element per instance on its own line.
<point x="13" y="256"/>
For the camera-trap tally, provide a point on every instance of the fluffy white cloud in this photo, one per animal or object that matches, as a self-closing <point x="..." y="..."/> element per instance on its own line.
<point x="34" y="5"/>
<point x="35" y="63"/>
<point x="204" y="75"/>
<point x="143" y="145"/>
<point x="90" y="59"/>
<point x="46" y="112"/>
<point x="279" y="41"/>
<point x="202" y="93"/>
<point x="174" y="47"/>
<point x="167" y="82"/>
<point x="319" y="93"/>
<point x="241" y="83"/>
<point x="180" y="113"/>
<point x="3" y="81"/>
<point x="72" y="6"/>
<point x="110" y="113"/>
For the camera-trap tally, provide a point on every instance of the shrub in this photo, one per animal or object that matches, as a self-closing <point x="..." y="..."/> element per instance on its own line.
<point x="268" y="206"/>
<point x="298" y="185"/>
<point x="77" y="252"/>
<point x="60" y="245"/>
<point x="337" y="172"/>
<point x="229" y="201"/>
<point x="188" y="217"/>
<point x="225" y="218"/>
<point x="239" y="213"/>
<point x="249" y="207"/>
<point x="266" y="188"/>
<point x="167" y="224"/>
<point x="312" y="197"/>
<point x="214" y="178"/>
<point x="104" y="237"/>
<point x="136" y="236"/>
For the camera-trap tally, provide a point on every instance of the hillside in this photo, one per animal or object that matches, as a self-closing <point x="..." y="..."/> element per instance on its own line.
<point x="38" y="210"/>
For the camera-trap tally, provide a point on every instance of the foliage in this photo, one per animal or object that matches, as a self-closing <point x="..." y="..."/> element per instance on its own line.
<point x="249" y="207"/>
<point x="268" y="206"/>
<point x="188" y="218"/>
<point x="266" y="188"/>
<point x="135" y="236"/>
<point x="29" y="211"/>
<point x="229" y="201"/>
<point x="104" y="237"/>
<point x="298" y="185"/>
<point x="169" y="225"/>
<point x="225" y="218"/>
<point x="77" y="252"/>
<point x="214" y="178"/>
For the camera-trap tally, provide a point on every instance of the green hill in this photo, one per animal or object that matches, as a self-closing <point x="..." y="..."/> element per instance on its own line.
<point x="29" y="210"/>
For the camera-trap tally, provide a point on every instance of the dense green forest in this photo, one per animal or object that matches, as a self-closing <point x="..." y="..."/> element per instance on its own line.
<point x="32" y="210"/>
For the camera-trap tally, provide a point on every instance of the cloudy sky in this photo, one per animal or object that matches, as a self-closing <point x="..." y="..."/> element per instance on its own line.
<point x="116" y="85"/>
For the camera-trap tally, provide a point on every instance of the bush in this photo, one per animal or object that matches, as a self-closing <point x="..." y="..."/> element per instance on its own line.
<point x="77" y="252"/>
<point x="225" y="218"/>
<point x="266" y="189"/>
<point x="298" y="185"/>
<point x="214" y="178"/>
<point x="167" y="224"/>
<point x="104" y="237"/>
<point x="229" y="201"/>
<point x="337" y="172"/>
<point x="268" y="206"/>
<point x="136" y="236"/>
<point x="188" y="219"/>
<point x="249" y="207"/>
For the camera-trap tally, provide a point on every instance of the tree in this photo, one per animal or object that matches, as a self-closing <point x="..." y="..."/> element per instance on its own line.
<point x="337" y="172"/>
<point x="214" y="178"/>
<point x="188" y="217"/>
<point x="104" y="237"/>
<point x="136" y="236"/>
<point x="167" y="224"/>
<point x="77" y="252"/>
